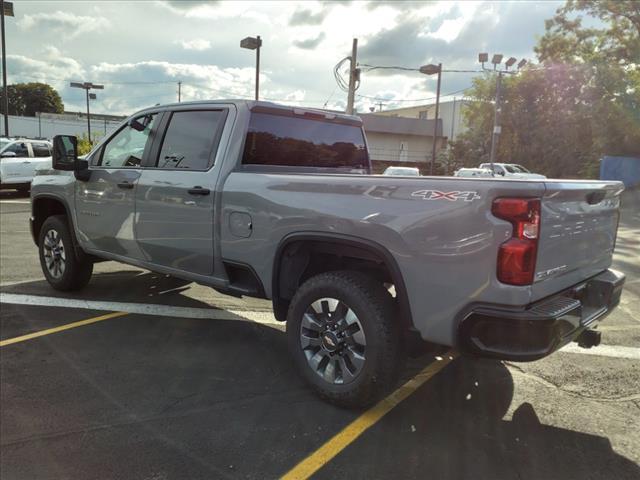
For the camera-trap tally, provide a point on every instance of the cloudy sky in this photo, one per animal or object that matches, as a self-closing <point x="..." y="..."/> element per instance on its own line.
<point x="140" y="50"/>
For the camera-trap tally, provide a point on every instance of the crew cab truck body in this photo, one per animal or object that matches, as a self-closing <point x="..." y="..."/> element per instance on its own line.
<point x="256" y="199"/>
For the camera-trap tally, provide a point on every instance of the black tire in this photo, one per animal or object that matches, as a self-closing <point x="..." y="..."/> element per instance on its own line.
<point x="76" y="270"/>
<point x="373" y="308"/>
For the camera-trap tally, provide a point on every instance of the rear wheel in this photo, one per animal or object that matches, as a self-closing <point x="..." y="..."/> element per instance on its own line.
<point x="343" y="337"/>
<point x="62" y="267"/>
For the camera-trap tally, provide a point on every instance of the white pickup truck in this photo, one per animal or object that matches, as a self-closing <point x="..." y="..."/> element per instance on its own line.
<point x="19" y="161"/>
<point x="511" y="170"/>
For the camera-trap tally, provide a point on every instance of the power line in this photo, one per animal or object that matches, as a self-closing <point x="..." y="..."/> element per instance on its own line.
<point x="412" y="99"/>
<point x="409" y="69"/>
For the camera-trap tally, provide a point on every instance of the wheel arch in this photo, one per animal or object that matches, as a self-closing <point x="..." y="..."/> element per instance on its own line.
<point x="46" y="205"/>
<point x="339" y="245"/>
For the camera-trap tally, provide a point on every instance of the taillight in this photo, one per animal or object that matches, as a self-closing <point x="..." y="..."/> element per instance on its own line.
<point x="517" y="256"/>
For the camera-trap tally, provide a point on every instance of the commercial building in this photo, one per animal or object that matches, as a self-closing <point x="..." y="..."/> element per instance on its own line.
<point x="451" y="112"/>
<point x="401" y="141"/>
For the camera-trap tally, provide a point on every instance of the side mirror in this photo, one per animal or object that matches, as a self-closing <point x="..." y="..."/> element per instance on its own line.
<point x="65" y="152"/>
<point x="8" y="155"/>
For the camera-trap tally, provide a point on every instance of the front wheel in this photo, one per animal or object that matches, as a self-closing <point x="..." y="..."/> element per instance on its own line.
<point x="63" y="269"/>
<point x="343" y="337"/>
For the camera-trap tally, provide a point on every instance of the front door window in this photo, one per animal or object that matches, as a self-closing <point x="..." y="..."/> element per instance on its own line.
<point x="126" y="148"/>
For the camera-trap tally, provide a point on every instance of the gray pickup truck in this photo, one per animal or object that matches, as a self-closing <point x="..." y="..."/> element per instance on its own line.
<point x="258" y="199"/>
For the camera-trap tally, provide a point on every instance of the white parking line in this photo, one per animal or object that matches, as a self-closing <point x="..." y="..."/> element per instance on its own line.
<point x="632" y="353"/>
<point x="265" y="318"/>
<point x="22" y="202"/>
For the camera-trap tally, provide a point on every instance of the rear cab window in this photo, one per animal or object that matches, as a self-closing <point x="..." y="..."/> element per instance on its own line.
<point x="295" y="140"/>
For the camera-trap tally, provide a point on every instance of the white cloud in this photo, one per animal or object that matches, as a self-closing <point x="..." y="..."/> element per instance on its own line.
<point x="118" y="47"/>
<point x="65" y="23"/>
<point x="198" y="44"/>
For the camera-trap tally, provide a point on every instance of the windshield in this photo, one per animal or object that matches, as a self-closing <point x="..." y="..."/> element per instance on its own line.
<point x="4" y="142"/>
<point x="521" y="168"/>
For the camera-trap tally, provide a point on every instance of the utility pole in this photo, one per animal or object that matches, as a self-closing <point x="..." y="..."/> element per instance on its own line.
<point x="179" y="91"/>
<point x="39" y="126"/>
<point x="380" y="106"/>
<point x="435" y="121"/>
<point x="352" y="77"/>
<point x="496" y="120"/>
<point x="453" y="118"/>
<point x="258" y="67"/>
<point x="6" y="8"/>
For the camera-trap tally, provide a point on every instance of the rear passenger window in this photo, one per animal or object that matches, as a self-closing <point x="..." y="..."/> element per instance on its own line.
<point x="41" y="150"/>
<point x="191" y="139"/>
<point x="297" y="141"/>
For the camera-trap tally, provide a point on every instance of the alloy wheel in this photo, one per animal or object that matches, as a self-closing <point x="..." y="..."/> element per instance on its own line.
<point x="333" y="341"/>
<point x="54" y="254"/>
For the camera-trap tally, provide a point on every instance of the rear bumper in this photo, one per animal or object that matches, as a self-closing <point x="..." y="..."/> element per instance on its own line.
<point x="542" y="327"/>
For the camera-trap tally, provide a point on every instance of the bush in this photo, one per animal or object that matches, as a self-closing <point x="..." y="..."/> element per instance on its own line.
<point x="85" y="145"/>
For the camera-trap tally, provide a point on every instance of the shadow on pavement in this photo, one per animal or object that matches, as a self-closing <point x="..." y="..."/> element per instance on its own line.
<point x="131" y="285"/>
<point x="453" y="427"/>
<point x="159" y="397"/>
<point x="13" y="194"/>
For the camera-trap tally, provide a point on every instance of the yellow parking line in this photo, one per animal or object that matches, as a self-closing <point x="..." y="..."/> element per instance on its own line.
<point x="351" y="432"/>
<point x="61" y="328"/>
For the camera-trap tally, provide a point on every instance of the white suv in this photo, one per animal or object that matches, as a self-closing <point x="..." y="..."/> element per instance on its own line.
<point x="19" y="160"/>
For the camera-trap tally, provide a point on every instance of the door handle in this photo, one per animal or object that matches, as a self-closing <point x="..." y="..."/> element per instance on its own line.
<point x="198" y="190"/>
<point x="125" y="185"/>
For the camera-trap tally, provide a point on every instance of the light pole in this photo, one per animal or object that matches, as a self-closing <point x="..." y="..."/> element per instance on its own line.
<point x="497" y="129"/>
<point x="88" y="86"/>
<point x="432" y="70"/>
<point x="254" y="43"/>
<point x="6" y="8"/>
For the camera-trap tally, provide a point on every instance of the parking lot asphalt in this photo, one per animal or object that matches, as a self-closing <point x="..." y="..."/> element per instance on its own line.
<point x="194" y="384"/>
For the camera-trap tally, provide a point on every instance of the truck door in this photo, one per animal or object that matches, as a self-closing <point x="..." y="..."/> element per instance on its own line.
<point x="105" y="204"/>
<point x="41" y="156"/>
<point x="175" y="194"/>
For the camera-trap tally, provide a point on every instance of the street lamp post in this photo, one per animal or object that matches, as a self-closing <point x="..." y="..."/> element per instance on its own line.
<point x="432" y="70"/>
<point x="497" y="128"/>
<point x="90" y="96"/>
<point x="6" y="8"/>
<point x="254" y="43"/>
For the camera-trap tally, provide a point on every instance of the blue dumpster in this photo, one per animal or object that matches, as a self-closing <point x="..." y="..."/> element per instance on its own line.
<point x="625" y="169"/>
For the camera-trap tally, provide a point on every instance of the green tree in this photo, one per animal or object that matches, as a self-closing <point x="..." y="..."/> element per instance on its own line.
<point x="581" y="103"/>
<point x="26" y="99"/>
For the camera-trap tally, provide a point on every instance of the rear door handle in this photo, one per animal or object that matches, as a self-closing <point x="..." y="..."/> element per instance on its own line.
<point x="199" y="191"/>
<point x="125" y="185"/>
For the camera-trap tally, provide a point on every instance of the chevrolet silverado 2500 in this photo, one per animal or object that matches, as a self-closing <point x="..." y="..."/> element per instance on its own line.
<point x="257" y="199"/>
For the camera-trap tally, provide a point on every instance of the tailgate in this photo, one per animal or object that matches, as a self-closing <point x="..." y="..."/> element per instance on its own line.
<point x="578" y="226"/>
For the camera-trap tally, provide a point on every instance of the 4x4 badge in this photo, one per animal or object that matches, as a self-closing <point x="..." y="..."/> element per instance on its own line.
<point x="450" y="196"/>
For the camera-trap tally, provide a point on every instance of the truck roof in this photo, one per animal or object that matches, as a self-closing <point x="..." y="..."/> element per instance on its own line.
<point x="252" y="104"/>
